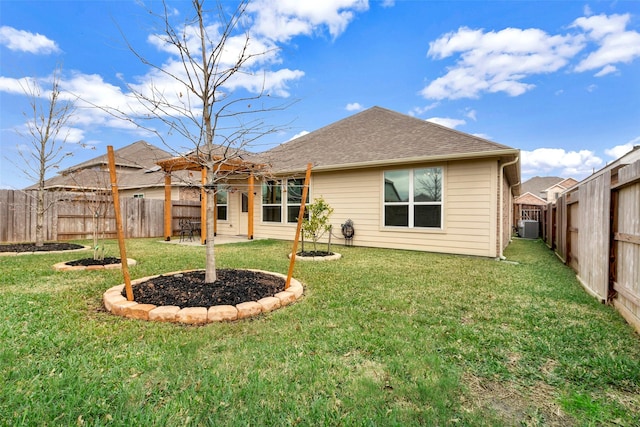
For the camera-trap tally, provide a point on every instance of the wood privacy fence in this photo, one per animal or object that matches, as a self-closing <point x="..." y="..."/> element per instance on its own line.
<point x="76" y="215"/>
<point x="595" y="229"/>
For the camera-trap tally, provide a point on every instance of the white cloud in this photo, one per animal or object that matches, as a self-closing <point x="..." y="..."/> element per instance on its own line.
<point x="418" y="111"/>
<point x="472" y="114"/>
<point x="608" y="69"/>
<point x="354" y="106"/>
<point x="557" y="161"/>
<point x="298" y="135"/>
<point x="448" y="122"/>
<point x="620" y="150"/>
<point x="24" y="41"/>
<point x="282" y="20"/>
<point x="492" y="61"/>
<point x="616" y="44"/>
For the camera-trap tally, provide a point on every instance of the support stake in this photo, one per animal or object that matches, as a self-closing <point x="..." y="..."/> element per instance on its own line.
<point x="116" y="205"/>
<point x="305" y="192"/>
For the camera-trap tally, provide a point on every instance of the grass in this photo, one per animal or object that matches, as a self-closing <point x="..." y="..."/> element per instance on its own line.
<point x="382" y="337"/>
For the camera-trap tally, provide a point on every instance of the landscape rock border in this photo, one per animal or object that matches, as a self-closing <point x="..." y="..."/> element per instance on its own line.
<point x="333" y="257"/>
<point x="62" y="266"/>
<point x="117" y="304"/>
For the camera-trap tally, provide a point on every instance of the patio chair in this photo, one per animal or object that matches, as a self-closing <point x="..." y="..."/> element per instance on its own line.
<point x="186" y="230"/>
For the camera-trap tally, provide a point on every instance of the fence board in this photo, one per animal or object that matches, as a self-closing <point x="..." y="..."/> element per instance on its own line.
<point x="627" y="244"/>
<point x="72" y="215"/>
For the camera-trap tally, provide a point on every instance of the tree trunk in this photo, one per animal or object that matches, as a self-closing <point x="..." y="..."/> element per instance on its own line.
<point x="40" y="218"/>
<point x="210" y="268"/>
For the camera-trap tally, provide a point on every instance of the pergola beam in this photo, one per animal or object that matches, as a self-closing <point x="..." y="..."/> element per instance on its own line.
<point x="195" y="163"/>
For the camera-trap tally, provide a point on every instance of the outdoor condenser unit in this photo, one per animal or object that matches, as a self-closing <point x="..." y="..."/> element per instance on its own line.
<point x="528" y="229"/>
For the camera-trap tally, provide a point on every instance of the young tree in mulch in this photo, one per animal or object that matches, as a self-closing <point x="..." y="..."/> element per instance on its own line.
<point x="47" y="124"/>
<point x="316" y="225"/>
<point x="218" y="96"/>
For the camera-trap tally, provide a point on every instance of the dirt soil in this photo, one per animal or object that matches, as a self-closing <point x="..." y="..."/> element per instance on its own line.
<point x="31" y="247"/>
<point x="190" y="290"/>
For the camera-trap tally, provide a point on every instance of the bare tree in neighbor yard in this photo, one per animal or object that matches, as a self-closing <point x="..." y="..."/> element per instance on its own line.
<point x="203" y="103"/>
<point x="47" y="132"/>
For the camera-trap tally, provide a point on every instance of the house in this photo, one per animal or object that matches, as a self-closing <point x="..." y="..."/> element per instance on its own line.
<point x="546" y="188"/>
<point x="404" y="182"/>
<point x="537" y="192"/>
<point x="137" y="171"/>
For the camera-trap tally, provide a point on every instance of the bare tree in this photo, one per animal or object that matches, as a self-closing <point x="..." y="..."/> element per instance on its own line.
<point x="47" y="132"/>
<point x="200" y="98"/>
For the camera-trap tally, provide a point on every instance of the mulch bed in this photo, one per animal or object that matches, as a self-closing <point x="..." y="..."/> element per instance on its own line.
<point x="90" y="261"/>
<point x="190" y="290"/>
<point x="314" y="253"/>
<point x="31" y="247"/>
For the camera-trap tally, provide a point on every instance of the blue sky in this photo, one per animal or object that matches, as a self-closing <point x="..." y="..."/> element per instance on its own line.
<point x="559" y="80"/>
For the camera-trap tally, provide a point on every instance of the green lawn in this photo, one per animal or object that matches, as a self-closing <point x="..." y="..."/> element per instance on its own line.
<point x="381" y="337"/>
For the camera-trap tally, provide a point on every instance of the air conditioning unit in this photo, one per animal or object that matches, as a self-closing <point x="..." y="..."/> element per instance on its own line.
<point x="528" y="229"/>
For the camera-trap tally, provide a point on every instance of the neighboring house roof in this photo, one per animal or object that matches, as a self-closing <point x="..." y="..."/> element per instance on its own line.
<point x="529" y="199"/>
<point x="379" y="136"/>
<point x="135" y="164"/>
<point x="541" y="185"/>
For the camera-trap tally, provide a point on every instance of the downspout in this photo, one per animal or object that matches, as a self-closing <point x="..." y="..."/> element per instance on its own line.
<point x="500" y="222"/>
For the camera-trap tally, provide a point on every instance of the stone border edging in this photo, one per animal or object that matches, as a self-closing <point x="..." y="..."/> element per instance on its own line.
<point x="333" y="257"/>
<point x="117" y="304"/>
<point x="62" y="266"/>
<point x="84" y="248"/>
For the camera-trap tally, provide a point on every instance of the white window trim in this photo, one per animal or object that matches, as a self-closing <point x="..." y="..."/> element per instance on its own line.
<point x="284" y="202"/>
<point x="411" y="202"/>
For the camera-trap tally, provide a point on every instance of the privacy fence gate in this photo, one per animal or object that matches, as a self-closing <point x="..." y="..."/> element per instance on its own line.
<point x="595" y="229"/>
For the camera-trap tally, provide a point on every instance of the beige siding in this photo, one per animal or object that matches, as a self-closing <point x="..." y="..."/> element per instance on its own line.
<point x="470" y="210"/>
<point x="151" y="193"/>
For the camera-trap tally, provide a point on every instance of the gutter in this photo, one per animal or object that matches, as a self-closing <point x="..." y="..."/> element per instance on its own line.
<point x="500" y="222"/>
<point x="405" y="160"/>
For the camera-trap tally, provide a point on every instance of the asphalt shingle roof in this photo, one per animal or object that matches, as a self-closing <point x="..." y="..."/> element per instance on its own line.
<point x="377" y="135"/>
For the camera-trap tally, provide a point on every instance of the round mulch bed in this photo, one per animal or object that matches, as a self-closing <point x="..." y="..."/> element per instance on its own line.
<point x="31" y="248"/>
<point x="316" y="256"/>
<point x="108" y="263"/>
<point x="184" y="296"/>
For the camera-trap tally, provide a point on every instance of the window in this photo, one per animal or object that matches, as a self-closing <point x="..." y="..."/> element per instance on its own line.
<point x="271" y="201"/>
<point x="138" y="196"/>
<point x="413" y="198"/>
<point x="222" y="202"/>
<point x="295" y="187"/>
<point x="273" y="204"/>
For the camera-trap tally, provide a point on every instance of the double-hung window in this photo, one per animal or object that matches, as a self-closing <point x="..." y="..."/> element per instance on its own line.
<point x="274" y="204"/>
<point x="271" y="201"/>
<point x="295" y="187"/>
<point x="413" y="198"/>
<point x="222" y="203"/>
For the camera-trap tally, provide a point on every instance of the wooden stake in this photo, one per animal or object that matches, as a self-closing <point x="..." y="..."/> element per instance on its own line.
<point x="305" y="192"/>
<point x="116" y="205"/>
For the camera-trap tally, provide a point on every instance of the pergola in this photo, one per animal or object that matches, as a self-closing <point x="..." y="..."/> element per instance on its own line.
<point x="229" y="167"/>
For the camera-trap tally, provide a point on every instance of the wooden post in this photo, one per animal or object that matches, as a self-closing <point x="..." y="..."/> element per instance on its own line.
<point x="250" y="208"/>
<point x="305" y="191"/>
<point x="116" y="205"/>
<point x="168" y="219"/>
<point x="203" y="208"/>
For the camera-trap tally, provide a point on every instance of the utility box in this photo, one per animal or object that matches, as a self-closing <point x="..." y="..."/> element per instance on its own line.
<point x="528" y="229"/>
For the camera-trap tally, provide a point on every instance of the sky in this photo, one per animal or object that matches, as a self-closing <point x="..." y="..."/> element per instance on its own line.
<point x="559" y="80"/>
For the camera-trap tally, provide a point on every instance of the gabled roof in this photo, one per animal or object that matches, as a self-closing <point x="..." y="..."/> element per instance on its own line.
<point x="379" y="136"/>
<point x="529" y="199"/>
<point x="136" y="168"/>
<point x="139" y="155"/>
<point x="538" y="185"/>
